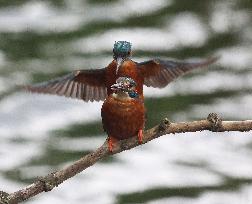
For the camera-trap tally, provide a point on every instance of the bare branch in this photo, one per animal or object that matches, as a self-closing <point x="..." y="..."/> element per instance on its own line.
<point x="47" y="183"/>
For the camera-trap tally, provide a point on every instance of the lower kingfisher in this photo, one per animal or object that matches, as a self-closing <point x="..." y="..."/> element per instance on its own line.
<point x="123" y="113"/>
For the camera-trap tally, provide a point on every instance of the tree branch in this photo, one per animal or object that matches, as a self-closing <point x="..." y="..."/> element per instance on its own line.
<point x="47" y="183"/>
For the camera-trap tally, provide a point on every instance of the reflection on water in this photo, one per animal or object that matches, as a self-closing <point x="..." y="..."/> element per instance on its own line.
<point x="39" y="134"/>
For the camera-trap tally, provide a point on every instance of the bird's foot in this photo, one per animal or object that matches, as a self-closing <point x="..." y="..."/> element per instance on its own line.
<point x="111" y="141"/>
<point x="140" y="136"/>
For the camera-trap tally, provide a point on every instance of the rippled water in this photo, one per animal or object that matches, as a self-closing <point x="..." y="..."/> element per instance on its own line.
<point x="40" y="134"/>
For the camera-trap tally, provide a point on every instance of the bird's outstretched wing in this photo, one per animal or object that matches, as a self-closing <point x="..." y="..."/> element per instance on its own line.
<point x="88" y="85"/>
<point x="159" y="73"/>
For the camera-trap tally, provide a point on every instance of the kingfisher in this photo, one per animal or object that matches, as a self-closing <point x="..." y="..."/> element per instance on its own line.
<point x="121" y="84"/>
<point x="123" y="112"/>
<point x="95" y="84"/>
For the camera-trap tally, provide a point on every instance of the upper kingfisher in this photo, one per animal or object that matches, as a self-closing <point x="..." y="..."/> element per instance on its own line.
<point x="95" y="84"/>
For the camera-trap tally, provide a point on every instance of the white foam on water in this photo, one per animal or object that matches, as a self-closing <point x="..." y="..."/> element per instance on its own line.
<point x="78" y="144"/>
<point x="33" y="115"/>
<point x="238" y="57"/>
<point x="9" y="186"/>
<point x="169" y="37"/>
<point x="40" y="16"/>
<point x="188" y="30"/>
<point x="238" y="107"/>
<point x="224" y="17"/>
<point x="13" y="154"/>
<point x="208" y="82"/>
<point x="126" y="9"/>
<point x="156" y="38"/>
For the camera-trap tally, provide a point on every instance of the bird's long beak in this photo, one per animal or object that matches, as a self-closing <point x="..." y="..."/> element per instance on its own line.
<point x="116" y="87"/>
<point x="119" y="61"/>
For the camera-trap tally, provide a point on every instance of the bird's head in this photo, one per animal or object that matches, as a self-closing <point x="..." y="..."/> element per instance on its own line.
<point x="121" y="51"/>
<point x="125" y="87"/>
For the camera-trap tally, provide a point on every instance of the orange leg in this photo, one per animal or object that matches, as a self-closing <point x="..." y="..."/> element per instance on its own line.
<point x="111" y="140"/>
<point x="140" y="136"/>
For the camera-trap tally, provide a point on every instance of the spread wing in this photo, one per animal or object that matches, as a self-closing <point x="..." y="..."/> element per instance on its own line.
<point x="159" y="73"/>
<point x="88" y="85"/>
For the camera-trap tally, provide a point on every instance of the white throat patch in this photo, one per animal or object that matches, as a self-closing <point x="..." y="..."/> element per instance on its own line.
<point x="119" y="63"/>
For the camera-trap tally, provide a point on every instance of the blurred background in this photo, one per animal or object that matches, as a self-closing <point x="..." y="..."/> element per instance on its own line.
<point x="40" y="134"/>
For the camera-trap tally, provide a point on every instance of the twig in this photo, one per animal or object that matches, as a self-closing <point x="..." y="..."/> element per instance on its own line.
<point x="47" y="183"/>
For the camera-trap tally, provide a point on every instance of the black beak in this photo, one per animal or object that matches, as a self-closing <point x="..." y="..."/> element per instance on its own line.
<point x="116" y="87"/>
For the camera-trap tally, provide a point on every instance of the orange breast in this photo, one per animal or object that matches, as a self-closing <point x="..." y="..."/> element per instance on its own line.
<point x="122" y="119"/>
<point x="127" y="69"/>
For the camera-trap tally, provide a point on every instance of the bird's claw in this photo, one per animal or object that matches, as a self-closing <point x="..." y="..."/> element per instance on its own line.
<point x="111" y="141"/>
<point x="140" y="136"/>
